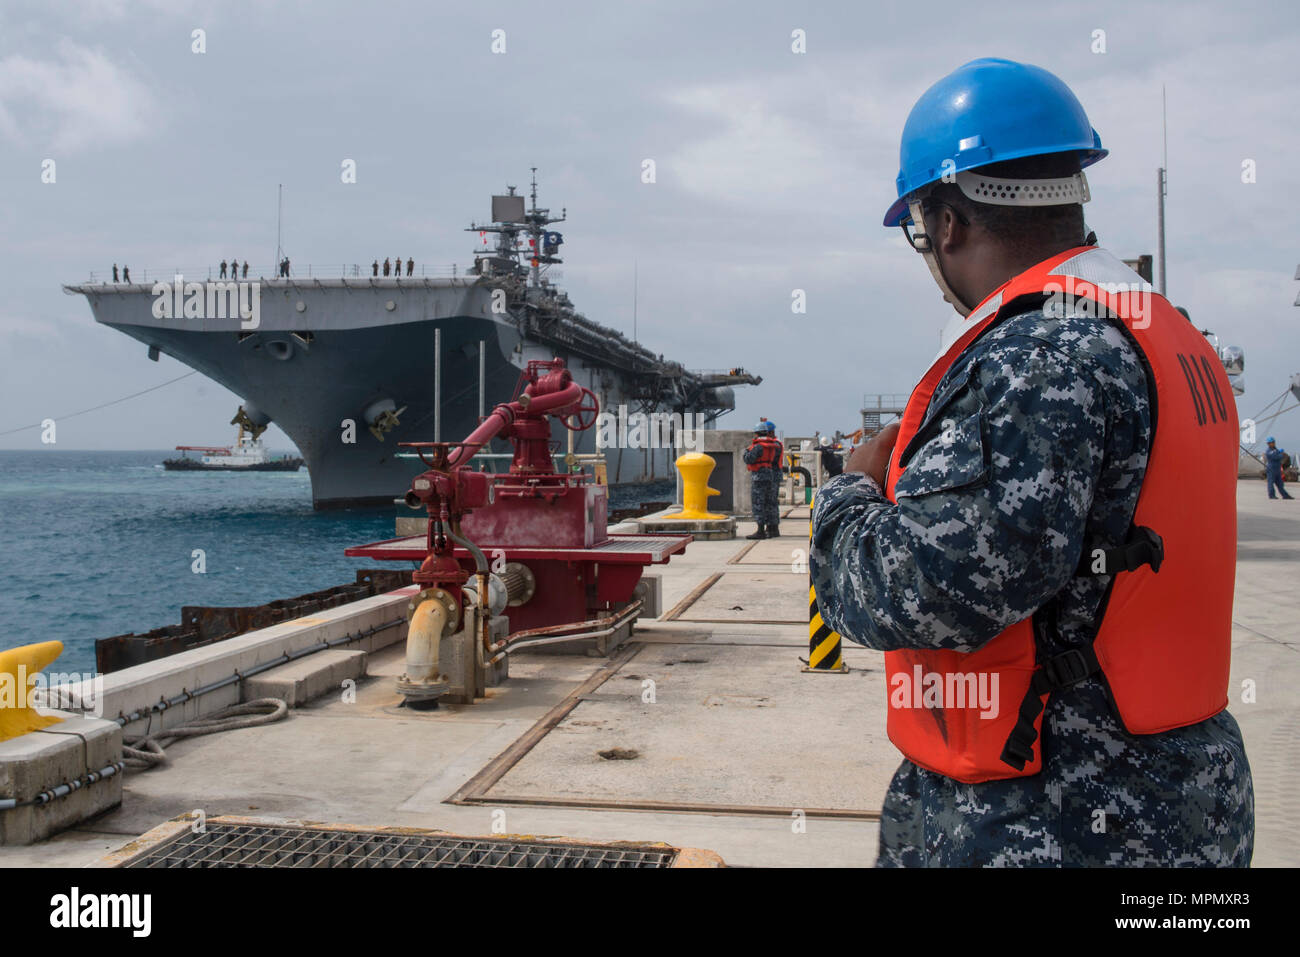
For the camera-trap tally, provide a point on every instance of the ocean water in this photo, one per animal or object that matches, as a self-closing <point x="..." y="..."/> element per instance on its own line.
<point x="94" y="544"/>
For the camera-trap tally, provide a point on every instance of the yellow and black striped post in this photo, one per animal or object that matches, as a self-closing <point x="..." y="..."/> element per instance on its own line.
<point x="823" y="644"/>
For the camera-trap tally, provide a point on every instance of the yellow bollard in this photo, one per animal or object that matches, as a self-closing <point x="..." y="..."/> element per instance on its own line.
<point x="17" y="667"/>
<point x="696" y="468"/>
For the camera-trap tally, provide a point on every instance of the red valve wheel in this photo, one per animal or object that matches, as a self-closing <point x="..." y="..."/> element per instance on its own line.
<point x="588" y="405"/>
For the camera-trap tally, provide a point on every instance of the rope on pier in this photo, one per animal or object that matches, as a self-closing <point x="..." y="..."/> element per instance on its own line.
<point x="147" y="752"/>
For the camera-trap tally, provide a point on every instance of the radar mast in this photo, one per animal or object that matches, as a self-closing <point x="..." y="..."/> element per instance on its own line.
<point x="524" y="244"/>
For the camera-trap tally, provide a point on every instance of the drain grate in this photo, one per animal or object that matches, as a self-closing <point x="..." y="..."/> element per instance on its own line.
<point x="258" y="845"/>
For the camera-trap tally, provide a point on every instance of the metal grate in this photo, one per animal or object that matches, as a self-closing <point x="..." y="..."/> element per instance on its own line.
<point x="654" y="544"/>
<point x="245" y="845"/>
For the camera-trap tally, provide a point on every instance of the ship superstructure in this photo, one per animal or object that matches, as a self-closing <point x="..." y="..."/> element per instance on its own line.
<point x="350" y="364"/>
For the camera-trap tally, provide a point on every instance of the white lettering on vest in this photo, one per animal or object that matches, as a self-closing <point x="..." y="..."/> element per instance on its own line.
<point x="946" y="690"/>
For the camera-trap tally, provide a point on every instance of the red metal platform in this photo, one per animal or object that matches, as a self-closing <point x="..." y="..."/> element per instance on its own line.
<point x="616" y="550"/>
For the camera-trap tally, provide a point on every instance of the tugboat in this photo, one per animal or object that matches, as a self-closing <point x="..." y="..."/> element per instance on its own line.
<point x="248" y="454"/>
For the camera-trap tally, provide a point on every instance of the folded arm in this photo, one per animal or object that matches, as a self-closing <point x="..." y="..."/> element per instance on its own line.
<point x="991" y="509"/>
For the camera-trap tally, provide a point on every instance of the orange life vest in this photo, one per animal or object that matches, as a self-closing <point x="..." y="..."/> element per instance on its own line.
<point x="768" y="457"/>
<point x="1162" y="646"/>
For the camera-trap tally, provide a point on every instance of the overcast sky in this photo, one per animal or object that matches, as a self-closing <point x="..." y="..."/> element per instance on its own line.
<point x="773" y="172"/>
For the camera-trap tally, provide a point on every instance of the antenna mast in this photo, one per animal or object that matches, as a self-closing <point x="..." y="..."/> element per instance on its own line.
<point x="279" y="215"/>
<point x="1162" y="185"/>
<point x="509" y="249"/>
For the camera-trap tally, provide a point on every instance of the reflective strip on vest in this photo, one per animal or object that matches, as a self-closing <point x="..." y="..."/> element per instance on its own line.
<point x="1164" y="640"/>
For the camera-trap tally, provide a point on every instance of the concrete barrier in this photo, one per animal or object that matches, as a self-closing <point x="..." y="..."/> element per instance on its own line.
<point x="300" y="681"/>
<point x="172" y="691"/>
<point x="58" y="776"/>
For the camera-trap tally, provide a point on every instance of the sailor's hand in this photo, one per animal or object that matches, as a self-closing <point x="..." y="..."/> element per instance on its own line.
<point x="873" y="457"/>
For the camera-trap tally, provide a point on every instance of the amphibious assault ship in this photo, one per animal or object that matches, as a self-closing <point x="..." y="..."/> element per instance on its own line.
<point x="349" y="363"/>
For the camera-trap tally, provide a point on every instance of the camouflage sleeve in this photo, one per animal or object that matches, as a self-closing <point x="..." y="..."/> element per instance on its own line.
<point x="991" y="508"/>
<point x="750" y="455"/>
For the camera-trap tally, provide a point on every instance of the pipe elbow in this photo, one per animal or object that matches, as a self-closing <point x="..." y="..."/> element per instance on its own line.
<point x="424" y="640"/>
<point x="429" y="620"/>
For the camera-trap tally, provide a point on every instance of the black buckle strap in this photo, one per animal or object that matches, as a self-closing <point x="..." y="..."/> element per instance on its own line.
<point x="1067" y="669"/>
<point x="1055" y="674"/>
<point x="1143" y="547"/>
<point x="1019" y="748"/>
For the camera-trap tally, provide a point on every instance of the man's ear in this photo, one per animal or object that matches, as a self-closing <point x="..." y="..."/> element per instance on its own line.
<point x="952" y="235"/>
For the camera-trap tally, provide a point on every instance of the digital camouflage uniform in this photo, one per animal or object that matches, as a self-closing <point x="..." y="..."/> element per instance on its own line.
<point x="986" y="532"/>
<point x="764" y="486"/>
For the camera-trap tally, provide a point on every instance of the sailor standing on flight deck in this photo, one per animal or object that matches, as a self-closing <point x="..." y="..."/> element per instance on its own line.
<point x="1019" y="547"/>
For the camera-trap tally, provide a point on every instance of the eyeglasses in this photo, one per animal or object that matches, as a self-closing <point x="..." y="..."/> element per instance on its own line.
<point x="919" y="240"/>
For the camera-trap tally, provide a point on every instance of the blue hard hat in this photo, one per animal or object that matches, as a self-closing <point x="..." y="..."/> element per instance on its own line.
<point x="988" y="111"/>
<point x="771" y="426"/>
<point x="762" y="426"/>
<point x="1269" y="439"/>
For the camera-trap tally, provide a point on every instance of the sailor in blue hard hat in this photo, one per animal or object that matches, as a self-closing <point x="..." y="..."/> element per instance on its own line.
<point x="762" y="459"/>
<point x="1027" y="135"/>
<point x="1275" y="462"/>
<point x="1026" y="442"/>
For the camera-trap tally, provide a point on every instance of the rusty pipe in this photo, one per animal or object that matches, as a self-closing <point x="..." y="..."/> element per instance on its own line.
<point x="423" y="640"/>
<point x="577" y="636"/>
<point x="484" y="610"/>
<point x="555" y="639"/>
<point x="596" y="627"/>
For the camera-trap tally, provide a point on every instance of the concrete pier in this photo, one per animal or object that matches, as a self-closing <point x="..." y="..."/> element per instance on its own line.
<point x="700" y="732"/>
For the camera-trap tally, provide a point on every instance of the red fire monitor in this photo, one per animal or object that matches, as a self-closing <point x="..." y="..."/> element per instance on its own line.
<point x="554" y="524"/>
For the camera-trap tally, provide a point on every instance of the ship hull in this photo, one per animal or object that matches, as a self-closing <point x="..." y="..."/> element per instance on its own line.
<point x="325" y="352"/>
